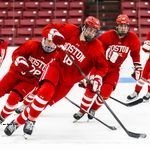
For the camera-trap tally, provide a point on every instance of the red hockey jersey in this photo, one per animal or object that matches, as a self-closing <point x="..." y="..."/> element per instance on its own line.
<point x="85" y="54"/>
<point x="116" y="50"/>
<point x="36" y="58"/>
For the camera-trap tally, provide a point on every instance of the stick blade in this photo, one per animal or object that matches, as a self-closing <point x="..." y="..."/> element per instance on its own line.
<point x="135" y="102"/>
<point x="113" y="128"/>
<point x="137" y="135"/>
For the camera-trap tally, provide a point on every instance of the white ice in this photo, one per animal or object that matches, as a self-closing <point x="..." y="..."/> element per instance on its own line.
<point x="55" y="129"/>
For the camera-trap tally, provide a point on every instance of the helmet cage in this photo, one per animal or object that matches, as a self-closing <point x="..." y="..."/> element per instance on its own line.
<point x="48" y="47"/>
<point x="122" y="29"/>
<point x="89" y="33"/>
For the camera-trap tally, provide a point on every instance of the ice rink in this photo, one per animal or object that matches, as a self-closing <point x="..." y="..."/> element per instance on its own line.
<point x="55" y="129"/>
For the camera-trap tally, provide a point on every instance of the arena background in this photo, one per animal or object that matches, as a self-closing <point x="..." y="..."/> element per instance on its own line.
<point x="21" y="20"/>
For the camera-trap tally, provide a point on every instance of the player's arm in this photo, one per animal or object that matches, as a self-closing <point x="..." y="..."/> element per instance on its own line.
<point x="53" y="34"/>
<point x="100" y="68"/>
<point x="19" y="57"/>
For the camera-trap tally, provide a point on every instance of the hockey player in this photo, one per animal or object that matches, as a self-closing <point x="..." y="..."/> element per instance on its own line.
<point x="145" y="75"/>
<point x="117" y="44"/>
<point x="28" y="63"/>
<point x="81" y="48"/>
<point x="3" y="50"/>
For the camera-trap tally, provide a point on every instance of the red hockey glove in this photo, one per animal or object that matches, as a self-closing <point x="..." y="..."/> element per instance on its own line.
<point x="96" y="83"/>
<point x="137" y="71"/>
<point x="146" y="46"/>
<point x="21" y="64"/>
<point x="55" y="36"/>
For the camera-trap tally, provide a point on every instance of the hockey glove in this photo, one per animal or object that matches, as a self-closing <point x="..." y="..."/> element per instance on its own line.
<point x="55" y="36"/>
<point x="146" y="46"/>
<point x="83" y="83"/>
<point x="137" y="71"/>
<point x="21" y="64"/>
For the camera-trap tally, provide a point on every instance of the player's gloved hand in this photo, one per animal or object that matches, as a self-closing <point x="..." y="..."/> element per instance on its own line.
<point x="96" y="83"/>
<point x="21" y="64"/>
<point x="83" y="83"/>
<point x="55" y="36"/>
<point x="137" y="71"/>
<point x="146" y="46"/>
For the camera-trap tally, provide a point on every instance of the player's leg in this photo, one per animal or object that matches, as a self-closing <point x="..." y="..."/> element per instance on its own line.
<point x="7" y="83"/>
<point x="109" y="84"/>
<point x="141" y="82"/>
<point x="105" y="93"/>
<point x="20" y="120"/>
<point x="146" y="76"/>
<point x="137" y="90"/>
<point x="26" y="101"/>
<point x="15" y="96"/>
<point x="48" y="84"/>
<point x="29" y="115"/>
<point x="85" y="103"/>
<point x="13" y="99"/>
<point x="146" y="97"/>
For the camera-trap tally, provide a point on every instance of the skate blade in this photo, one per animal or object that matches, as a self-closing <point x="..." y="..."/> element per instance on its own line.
<point x="26" y="136"/>
<point x="145" y="101"/>
<point x="75" y="121"/>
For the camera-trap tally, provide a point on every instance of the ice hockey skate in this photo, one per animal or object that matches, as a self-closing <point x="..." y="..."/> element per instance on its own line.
<point x="10" y="128"/>
<point x="1" y="119"/>
<point x="28" y="128"/>
<point x="20" y="109"/>
<point x="146" y="98"/>
<point x="132" y="96"/>
<point x="77" y="116"/>
<point x="92" y="114"/>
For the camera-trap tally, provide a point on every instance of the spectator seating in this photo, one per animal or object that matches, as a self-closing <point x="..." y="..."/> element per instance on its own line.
<point x="29" y="14"/>
<point x="3" y="14"/>
<point x="45" y="14"/>
<point x="14" y="14"/>
<point x="28" y="17"/>
<point x="139" y="12"/>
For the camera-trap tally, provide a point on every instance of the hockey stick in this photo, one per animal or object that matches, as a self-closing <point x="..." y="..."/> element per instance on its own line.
<point x="110" y="127"/>
<point x="129" y="133"/>
<point x="138" y="101"/>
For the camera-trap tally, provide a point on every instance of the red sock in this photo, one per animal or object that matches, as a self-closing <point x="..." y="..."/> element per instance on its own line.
<point x="86" y="100"/>
<point x="23" y="116"/>
<point x="138" y="88"/>
<point x="40" y="100"/>
<point x="11" y="104"/>
<point x="105" y="93"/>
